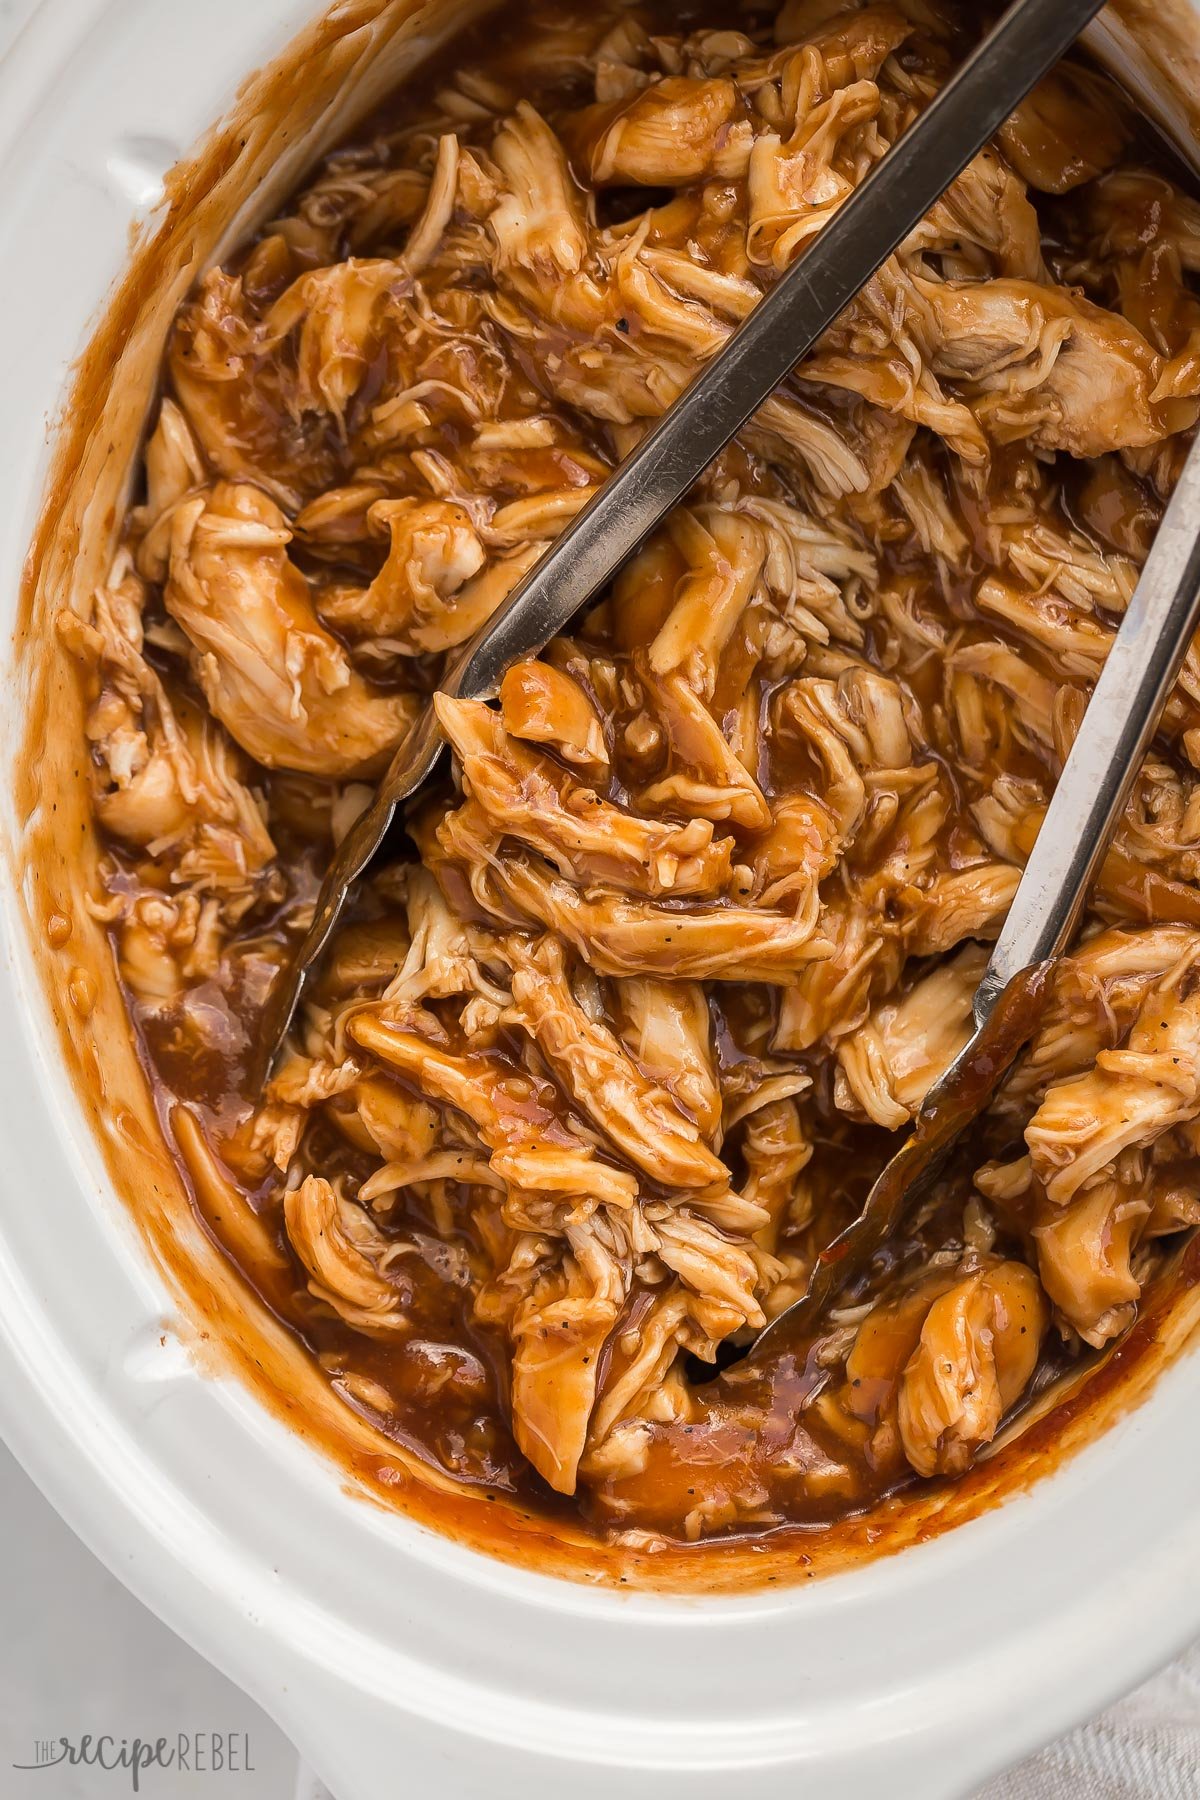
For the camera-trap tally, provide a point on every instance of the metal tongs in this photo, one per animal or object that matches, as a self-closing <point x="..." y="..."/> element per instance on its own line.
<point x="1026" y="43"/>
<point x="1117" y="727"/>
<point x="1120" y="721"/>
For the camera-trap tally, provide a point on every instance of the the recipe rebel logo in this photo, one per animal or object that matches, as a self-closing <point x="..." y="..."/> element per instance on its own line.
<point x="190" y="1753"/>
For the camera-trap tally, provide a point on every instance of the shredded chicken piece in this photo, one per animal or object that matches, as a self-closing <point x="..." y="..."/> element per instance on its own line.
<point x="674" y="131"/>
<point x="889" y="1064"/>
<point x="977" y="1350"/>
<point x="1067" y="131"/>
<point x="653" y="1346"/>
<point x="1042" y="364"/>
<point x="969" y="904"/>
<point x="167" y="779"/>
<point x="639" y="1117"/>
<point x="619" y="936"/>
<point x="556" y="1353"/>
<point x="855" y="729"/>
<point x="525" y="796"/>
<point x="335" y="316"/>
<point x="666" y="1028"/>
<point x="433" y="551"/>
<point x="704" y="778"/>
<point x="346" y="1256"/>
<point x="723" y="558"/>
<point x="279" y="683"/>
<point x="542" y="705"/>
<point x="529" y="1148"/>
<point x="1130" y="1096"/>
<point x="1085" y="1256"/>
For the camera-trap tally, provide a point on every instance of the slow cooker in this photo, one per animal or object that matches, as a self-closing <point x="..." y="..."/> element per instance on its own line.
<point x="155" y="1412"/>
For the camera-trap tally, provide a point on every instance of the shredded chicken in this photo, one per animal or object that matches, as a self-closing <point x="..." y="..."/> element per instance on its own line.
<point x="280" y="684"/>
<point x="978" y="1347"/>
<point x="345" y="1254"/>
<point x="698" y="905"/>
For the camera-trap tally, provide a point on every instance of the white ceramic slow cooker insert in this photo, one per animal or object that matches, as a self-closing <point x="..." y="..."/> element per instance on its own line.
<point x="397" y="1659"/>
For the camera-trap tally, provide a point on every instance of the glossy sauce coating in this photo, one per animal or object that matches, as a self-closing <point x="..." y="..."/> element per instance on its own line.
<point x="833" y="695"/>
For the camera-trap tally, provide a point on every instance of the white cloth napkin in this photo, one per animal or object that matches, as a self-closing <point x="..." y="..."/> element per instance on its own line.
<point x="1146" y="1747"/>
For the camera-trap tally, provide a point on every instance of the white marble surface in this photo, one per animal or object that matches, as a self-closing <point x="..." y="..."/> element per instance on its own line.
<point x="79" y="1655"/>
<point x="13" y="14"/>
